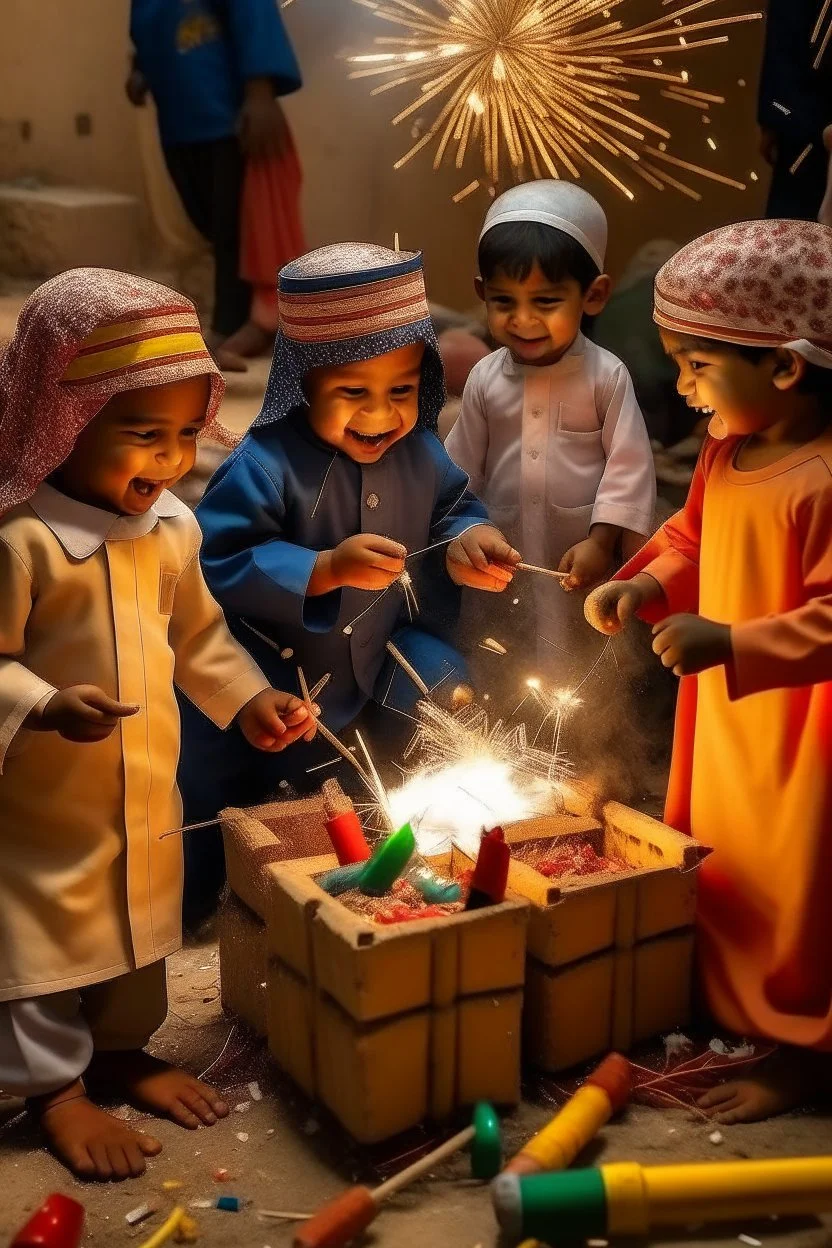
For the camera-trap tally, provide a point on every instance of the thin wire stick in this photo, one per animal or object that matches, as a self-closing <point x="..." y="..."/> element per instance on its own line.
<point x="381" y="792"/>
<point x="408" y="669"/>
<point x="281" y="1215"/>
<point x="532" y="567"/>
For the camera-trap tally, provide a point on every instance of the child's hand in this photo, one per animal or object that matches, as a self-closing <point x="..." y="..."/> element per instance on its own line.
<point x="272" y="720"/>
<point x="689" y="643"/>
<point x="586" y="563"/>
<point x="263" y="129"/>
<point x="482" y="559"/>
<point x="82" y="713"/>
<point x="367" y="561"/>
<point x="610" y="607"/>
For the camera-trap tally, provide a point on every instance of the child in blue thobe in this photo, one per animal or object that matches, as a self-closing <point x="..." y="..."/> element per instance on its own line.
<point x="308" y="525"/>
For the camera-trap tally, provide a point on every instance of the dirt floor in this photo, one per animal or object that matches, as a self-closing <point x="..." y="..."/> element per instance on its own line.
<point x="282" y="1154"/>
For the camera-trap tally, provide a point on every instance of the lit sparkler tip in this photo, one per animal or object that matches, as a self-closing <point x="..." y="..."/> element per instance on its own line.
<point x="533" y="682"/>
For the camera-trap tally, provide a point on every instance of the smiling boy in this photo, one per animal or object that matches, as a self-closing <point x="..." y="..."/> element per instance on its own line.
<point x="308" y="524"/>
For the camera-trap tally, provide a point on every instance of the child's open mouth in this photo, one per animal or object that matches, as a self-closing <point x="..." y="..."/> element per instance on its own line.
<point x="371" y="439"/>
<point x="146" y="488"/>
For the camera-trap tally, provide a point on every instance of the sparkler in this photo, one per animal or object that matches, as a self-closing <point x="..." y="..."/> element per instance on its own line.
<point x="548" y="83"/>
<point x="472" y="772"/>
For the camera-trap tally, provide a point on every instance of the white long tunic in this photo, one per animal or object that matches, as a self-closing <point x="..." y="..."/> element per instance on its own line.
<point x="552" y="451"/>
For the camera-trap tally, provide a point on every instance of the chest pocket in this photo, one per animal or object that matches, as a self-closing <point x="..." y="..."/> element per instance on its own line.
<point x="167" y="590"/>
<point x="579" y="421"/>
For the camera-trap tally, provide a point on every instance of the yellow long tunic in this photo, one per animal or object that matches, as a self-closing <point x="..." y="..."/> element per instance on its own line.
<point x="88" y="891"/>
<point x="752" y="753"/>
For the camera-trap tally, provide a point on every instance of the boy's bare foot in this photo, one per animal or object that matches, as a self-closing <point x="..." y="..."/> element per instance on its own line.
<point x="785" y="1081"/>
<point x="149" y="1083"/>
<point x="90" y="1142"/>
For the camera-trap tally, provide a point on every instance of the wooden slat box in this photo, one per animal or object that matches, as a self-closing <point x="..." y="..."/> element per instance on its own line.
<point x="387" y="1026"/>
<point x="610" y="958"/>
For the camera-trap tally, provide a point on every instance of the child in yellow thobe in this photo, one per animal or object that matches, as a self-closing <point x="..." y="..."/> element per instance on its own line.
<point x="741" y="584"/>
<point x="103" y="609"/>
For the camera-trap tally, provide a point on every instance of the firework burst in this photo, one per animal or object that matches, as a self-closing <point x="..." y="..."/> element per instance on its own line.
<point x="551" y="86"/>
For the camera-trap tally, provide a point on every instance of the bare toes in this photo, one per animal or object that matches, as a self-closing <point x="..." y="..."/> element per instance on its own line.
<point x="716" y="1096"/>
<point x="101" y="1160"/>
<point x="198" y="1105"/>
<point x="148" y="1144"/>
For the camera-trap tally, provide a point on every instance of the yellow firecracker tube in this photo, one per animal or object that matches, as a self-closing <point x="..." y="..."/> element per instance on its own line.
<point x="628" y="1199"/>
<point x="605" y="1092"/>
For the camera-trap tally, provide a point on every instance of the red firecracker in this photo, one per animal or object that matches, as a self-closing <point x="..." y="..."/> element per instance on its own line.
<point x="59" y="1223"/>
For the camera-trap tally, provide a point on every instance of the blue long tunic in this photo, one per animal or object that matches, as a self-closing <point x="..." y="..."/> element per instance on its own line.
<point x="281" y="498"/>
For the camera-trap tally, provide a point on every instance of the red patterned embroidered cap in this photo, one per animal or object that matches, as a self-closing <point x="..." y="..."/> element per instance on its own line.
<point x="758" y="283"/>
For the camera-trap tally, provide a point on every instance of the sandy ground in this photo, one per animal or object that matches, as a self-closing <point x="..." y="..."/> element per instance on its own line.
<point x="292" y="1158"/>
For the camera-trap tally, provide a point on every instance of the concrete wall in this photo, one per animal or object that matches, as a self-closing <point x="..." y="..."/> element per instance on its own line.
<point x="63" y="58"/>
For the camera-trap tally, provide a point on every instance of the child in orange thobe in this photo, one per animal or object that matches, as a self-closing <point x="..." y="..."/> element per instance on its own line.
<point x="740" y="582"/>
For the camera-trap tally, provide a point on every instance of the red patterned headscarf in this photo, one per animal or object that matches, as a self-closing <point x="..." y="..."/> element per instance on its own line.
<point x="758" y="283"/>
<point x="81" y="338"/>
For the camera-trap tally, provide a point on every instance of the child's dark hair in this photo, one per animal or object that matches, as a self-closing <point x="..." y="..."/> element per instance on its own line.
<point x="515" y="247"/>
<point x="816" y="381"/>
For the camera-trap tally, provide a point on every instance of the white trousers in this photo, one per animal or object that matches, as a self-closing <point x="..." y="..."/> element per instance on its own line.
<point x="48" y="1042"/>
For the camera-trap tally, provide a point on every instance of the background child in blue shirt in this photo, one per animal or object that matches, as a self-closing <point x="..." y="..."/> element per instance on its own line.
<point x="214" y="68"/>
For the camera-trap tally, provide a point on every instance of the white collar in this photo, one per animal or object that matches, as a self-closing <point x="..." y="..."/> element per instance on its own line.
<point x="567" y="362"/>
<point x="82" y="529"/>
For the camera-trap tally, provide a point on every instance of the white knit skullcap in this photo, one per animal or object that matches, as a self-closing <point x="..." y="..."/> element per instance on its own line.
<point x="560" y="204"/>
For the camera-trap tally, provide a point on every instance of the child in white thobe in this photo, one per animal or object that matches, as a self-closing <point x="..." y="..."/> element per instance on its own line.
<point x="550" y="432"/>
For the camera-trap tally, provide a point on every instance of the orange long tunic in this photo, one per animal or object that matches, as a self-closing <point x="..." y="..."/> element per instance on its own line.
<point x="752" y="755"/>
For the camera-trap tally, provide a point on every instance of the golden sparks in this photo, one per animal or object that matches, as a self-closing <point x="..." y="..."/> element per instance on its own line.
<point x="546" y="85"/>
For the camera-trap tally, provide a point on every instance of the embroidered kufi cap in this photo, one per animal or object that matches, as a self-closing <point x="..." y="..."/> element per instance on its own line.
<point x="560" y="204"/>
<point x="345" y="303"/>
<point x="758" y="283"/>
<point x="81" y="338"/>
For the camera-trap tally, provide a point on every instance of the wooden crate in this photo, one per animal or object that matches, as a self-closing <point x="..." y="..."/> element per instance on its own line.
<point x="610" y="959"/>
<point x="387" y="1026"/>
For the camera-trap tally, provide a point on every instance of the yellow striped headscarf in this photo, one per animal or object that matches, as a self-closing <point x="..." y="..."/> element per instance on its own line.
<point x="132" y="346"/>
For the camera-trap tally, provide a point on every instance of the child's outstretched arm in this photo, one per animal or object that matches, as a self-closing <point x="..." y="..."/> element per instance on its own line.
<point x="661" y="585"/>
<point x="79" y="713"/>
<point x="249" y="565"/>
<point x="479" y="555"/>
<point x="467" y="443"/>
<point x="795" y="647"/>
<point x="626" y="495"/>
<point x="218" y="675"/>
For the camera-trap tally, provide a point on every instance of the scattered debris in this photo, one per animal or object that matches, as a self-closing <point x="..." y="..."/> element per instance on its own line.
<point x="751" y="1241"/>
<point x="221" y="1175"/>
<point x="741" y="1053"/>
<point x="282" y="1215"/>
<point x="254" y="1092"/>
<point x="488" y="643"/>
<point x="139" y="1214"/>
<point x="677" y="1046"/>
<point x="230" y="1204"/>
<point x="716" y="1137"/>
<point x="172" y="1185"/>
<point x="287" y="652"/>
<point x="270" y="1133"/>
<point x="242" y="1136"/>
<point x="201" y="1204"/>
<point x="242" y="1107"/>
